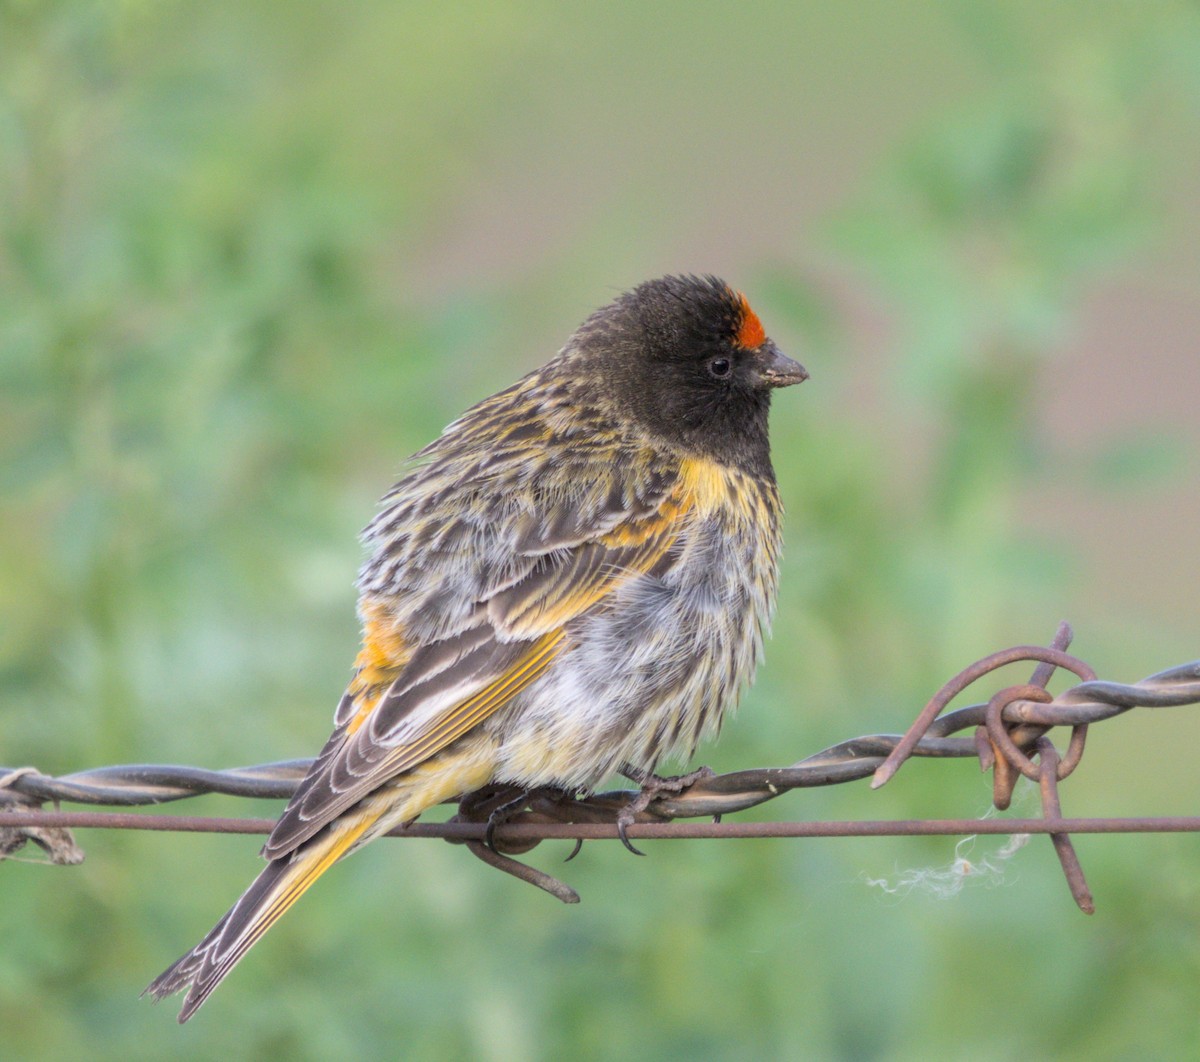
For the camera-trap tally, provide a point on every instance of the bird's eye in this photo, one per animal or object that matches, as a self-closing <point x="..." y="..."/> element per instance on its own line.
<point x="720" y="368"/>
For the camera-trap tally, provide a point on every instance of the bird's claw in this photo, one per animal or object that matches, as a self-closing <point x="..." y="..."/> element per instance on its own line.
<point x="625" y="819"/>
<point x="651" y="787"/>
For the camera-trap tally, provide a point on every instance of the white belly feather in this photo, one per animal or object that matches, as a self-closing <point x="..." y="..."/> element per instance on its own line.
<point x="652" y="673"/>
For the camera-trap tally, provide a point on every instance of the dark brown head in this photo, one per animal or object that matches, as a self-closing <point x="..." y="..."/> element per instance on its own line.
<point x="689" y="360"/>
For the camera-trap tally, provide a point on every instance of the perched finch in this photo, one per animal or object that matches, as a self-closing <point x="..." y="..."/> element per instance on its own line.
<point x="571" y="581"/>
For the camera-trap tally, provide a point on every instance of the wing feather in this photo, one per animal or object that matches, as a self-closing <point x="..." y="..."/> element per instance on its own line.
<point x="485" y="591"/>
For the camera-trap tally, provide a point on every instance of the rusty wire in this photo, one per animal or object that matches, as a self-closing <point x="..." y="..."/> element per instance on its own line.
<point x="1008" y="736"/>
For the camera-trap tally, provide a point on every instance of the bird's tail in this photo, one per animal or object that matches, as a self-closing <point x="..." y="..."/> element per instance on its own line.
<point x="282" y="882"/>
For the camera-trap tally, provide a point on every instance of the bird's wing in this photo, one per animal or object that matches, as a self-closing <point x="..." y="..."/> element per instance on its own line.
<point x="414" y="696"/>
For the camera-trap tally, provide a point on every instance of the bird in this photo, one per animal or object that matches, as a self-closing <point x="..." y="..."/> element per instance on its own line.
<point x="572" y="581"/>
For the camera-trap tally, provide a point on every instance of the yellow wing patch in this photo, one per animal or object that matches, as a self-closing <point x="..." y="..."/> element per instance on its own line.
<point x="568" y="586"/>
<point x="462" y="717"/>
<point x="659" y="528"/>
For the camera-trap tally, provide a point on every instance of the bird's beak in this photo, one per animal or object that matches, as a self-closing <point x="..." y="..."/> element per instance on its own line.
<point x="773" y="368"/>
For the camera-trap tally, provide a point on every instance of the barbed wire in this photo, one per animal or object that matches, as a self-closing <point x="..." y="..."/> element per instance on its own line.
<point x="1008" y="736"/>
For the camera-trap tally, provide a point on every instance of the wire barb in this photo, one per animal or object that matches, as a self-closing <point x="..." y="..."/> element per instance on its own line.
<point x="1006" y="733"/>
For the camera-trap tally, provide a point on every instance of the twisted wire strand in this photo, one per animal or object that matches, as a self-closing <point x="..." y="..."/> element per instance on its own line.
<point x="1088" y="702"/>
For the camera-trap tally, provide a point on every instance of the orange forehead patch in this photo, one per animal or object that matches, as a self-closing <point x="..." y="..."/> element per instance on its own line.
<point x="750" y="332"/>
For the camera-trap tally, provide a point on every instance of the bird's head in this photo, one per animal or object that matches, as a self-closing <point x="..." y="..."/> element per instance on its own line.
<point x="690" y="360"/>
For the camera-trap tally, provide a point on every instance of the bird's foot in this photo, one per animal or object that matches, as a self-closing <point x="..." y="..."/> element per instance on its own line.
<point x="651" y="787"/>
<point x="496" y="805"/>
<point x="501" y="814"/>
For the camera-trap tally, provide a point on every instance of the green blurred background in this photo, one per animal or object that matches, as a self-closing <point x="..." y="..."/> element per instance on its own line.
<point x="252" y="255"/>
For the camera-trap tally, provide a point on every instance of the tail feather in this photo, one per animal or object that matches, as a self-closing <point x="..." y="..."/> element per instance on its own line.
<point x="284" y="880"/>
<point x="281" y="883"/>
<point x="182" y="972"/>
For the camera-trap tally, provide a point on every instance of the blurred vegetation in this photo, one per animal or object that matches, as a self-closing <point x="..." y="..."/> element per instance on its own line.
<point x="207" y="373"/>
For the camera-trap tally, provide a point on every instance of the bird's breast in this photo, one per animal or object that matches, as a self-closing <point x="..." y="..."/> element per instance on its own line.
<point x="654" y="670"/>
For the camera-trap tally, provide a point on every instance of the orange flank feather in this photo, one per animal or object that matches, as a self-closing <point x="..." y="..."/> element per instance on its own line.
<point x="384" y="653"/>
<point x="750" y="334"/>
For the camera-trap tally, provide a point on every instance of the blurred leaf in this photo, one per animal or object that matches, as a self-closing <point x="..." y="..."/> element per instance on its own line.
<point x="1140" y="461"/>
